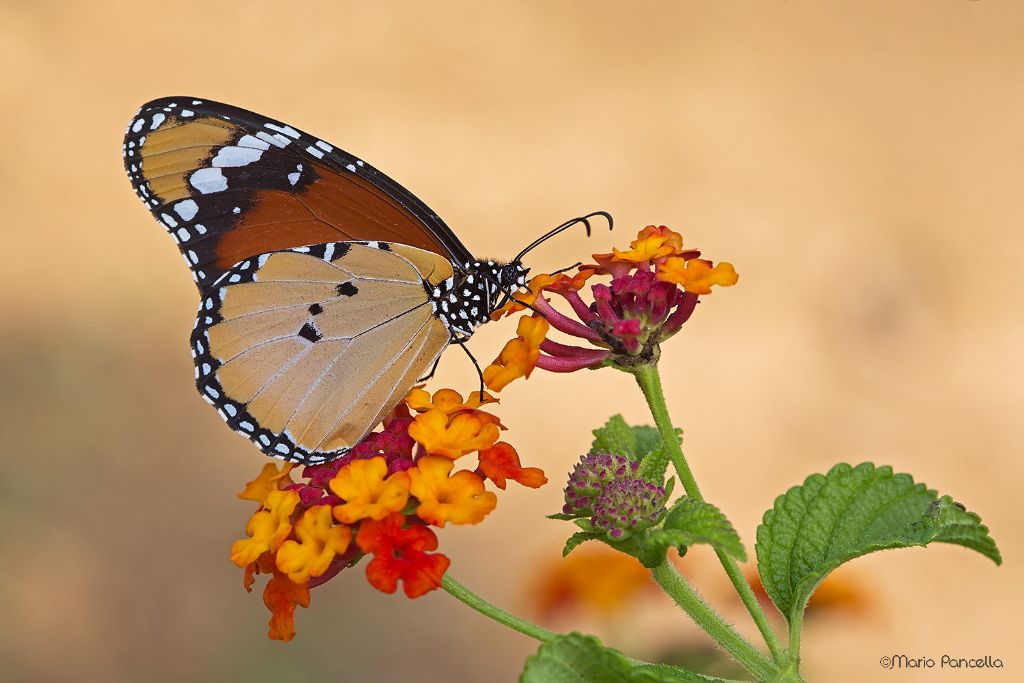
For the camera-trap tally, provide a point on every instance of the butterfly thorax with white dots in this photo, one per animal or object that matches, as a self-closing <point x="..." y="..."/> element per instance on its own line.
<point x="466" y="300"/>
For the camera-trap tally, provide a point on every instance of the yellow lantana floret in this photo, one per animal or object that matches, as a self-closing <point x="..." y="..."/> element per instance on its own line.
<point x="368" y="491"/>
<point x="454" y="437"/>
<point x="448" y="401"/>
<point x="697" y="275"/>
<point x="519" y="356"/>
<point x="459" y="499"/>
<point x="267" y="528"/>
<point x="318" y="542"/>
<point x="269" y="479"/>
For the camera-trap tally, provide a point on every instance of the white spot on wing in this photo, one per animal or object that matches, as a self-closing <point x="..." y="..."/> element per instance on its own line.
<point x="208" y="180"/>
<point x="287" y="130"/>
<point x="315" y="152"/>
<point x="137" y="126"/>
<point x="324" y="146"/>
<point x="250" y="141"/>
<point x="293" y="178"/>
<point x="273" y="140"/>
<point x="170" y="222"/>
<point x="158" y="118"/>
<point x="230" y="157"/>
<point x="187" y="209"/>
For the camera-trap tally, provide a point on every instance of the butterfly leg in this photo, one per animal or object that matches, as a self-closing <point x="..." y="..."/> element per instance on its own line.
<point x="479" y="372"/>
<point x="433" y="369"/>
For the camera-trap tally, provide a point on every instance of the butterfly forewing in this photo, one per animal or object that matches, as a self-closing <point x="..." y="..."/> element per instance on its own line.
<point x="229" y="184"/>
<point x="305" y="350"/>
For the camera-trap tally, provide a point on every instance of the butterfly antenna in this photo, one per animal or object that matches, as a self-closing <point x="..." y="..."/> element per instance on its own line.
<point x="584" y="220"/>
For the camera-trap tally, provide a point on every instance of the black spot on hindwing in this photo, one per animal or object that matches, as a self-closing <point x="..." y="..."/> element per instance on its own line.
<point x="309" y="332"/>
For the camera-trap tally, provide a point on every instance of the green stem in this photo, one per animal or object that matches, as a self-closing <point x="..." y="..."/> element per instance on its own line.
<point x="463" y="594"/>
<point x="795" y="627"/>
<point x="468" y="597"/>
<point x="650" y="384"/>
<point x="705" y="617"/>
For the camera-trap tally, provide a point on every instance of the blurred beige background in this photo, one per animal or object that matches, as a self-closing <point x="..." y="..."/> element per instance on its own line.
<point x="860" y="163"/>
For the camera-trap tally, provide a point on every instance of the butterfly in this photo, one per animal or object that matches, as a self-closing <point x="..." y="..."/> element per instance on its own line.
<point x="327" y="290"/>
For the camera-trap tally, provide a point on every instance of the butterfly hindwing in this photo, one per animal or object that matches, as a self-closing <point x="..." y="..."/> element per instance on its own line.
<point x="229" y="184"/>
<point x="304" y="350"/>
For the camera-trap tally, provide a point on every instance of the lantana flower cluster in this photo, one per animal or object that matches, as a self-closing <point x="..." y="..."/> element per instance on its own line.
<point x="379" y="502"/>
<point x="654" y="287"/>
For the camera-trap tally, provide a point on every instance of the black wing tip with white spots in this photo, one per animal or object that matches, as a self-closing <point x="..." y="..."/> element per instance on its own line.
<point x="309" y="147"/>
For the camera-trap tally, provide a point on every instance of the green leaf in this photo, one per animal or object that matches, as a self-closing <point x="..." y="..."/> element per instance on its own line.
<point x="654" y="462"/>
<point x="576" y="539"/>
<point x="641" y="443"/>
<point x="647" y="439"/>
<point x="576" y="658"/>
<point x="688" y="522"/>
<point x="615" y="437"/>
<point x="852" y="511"/>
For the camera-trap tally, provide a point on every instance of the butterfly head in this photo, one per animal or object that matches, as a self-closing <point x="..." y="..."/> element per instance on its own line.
<point x="511" y="276"/>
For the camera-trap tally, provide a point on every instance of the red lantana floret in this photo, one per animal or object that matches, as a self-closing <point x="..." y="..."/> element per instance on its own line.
<point x="400" y="553"/>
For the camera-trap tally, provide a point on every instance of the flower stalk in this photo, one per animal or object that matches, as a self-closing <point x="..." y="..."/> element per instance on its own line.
<point x="704" y="616"/>
<point x="471" y="599"/>
<point x="649" y="380"/>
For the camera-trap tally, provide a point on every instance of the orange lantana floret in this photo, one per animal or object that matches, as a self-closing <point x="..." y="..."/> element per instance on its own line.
<point x="447" y="401"/>
<point x="281" y="596"/>
<point x="368" y="491"/>
<point x="269" y="479"/>
<point x="697" y="275"/>
<point x="519" y="356"/>
<point x="318" y="542"/>
<point x="455" y="436"/>
<point x="459" y="499"/>
<point x="267" y="528"/>
<point x="501" y="462"/>
<point x="652" y="243"/>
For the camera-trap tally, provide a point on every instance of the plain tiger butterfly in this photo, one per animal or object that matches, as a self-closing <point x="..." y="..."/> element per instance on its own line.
<point x="326" y="288"/>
